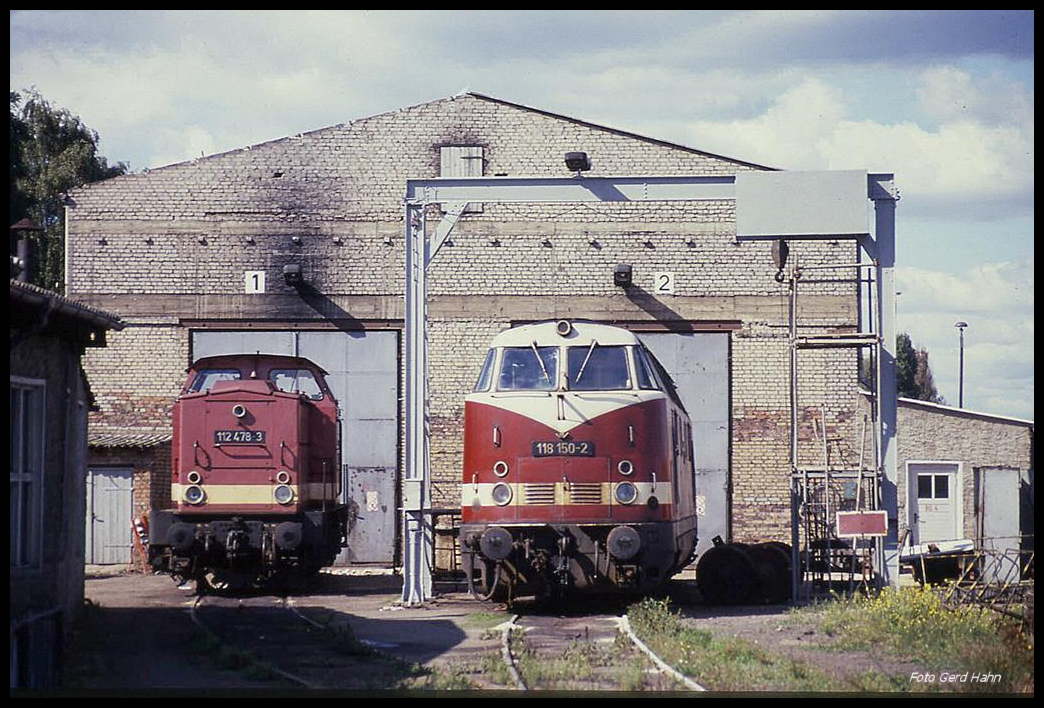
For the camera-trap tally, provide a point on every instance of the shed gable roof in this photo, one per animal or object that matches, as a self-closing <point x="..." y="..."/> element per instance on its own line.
<point x="427" y="106"/>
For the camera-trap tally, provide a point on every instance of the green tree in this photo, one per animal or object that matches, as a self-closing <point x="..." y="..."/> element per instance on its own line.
<point x="924" y="381"/>
<point x="52" y="151"/>
<point x="905" y="366"/>
<point x="913" y="374"/>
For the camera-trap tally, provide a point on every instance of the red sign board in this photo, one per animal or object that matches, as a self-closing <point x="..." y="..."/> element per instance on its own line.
<point x="862" y="523"/>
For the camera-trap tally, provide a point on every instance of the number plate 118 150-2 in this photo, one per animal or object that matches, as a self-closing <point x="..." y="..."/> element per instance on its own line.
<point x="563" y="447"/>
<point x="239" y="437"/>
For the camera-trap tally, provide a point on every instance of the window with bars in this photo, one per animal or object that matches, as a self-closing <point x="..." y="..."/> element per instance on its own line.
<point x="27" y="460"/>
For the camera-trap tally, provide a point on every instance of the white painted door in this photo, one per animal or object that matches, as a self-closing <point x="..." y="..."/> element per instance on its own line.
<point x="934" y="503"/>
<point x="110" y="504"/>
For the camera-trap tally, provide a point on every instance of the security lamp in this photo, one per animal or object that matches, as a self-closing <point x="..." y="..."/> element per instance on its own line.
<point x="622" y="275"/>
<point x="780" y="251"/>
<point x="292" y="274"/>
<point x="577" y="162"/>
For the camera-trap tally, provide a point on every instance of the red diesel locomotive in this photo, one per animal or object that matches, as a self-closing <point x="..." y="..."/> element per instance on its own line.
<point x="254" y="479"/>
<point x="578" y="466"/>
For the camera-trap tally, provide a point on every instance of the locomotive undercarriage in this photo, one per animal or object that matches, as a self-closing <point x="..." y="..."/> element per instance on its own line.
<point x="242" y="552"/>
<point x="506" y="562"/>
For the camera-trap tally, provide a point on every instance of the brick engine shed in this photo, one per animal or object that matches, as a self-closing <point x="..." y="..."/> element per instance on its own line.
<point x="191" y="256"/>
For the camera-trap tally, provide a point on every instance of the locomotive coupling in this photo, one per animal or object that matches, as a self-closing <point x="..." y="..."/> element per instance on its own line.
<point x="181" y="536"/>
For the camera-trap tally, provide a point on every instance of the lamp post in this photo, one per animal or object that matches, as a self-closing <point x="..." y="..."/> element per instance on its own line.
<point x="960" y="374"/>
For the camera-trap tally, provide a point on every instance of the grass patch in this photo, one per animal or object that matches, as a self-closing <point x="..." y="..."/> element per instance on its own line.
<point x="426" y="678"/>
<point x="578" y="663"/>
<point x="582" y="665"/>
<point x="725" y="664"/>
<point x="914" y="624"/>
<point x="485" y="620"/>
<point x="230" y="658"/>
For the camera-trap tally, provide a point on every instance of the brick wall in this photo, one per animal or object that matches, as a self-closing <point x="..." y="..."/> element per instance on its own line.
<point x="172" y="246"/>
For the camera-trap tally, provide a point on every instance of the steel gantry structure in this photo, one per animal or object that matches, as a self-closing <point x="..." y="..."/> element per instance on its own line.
<point x="769" y="205"/>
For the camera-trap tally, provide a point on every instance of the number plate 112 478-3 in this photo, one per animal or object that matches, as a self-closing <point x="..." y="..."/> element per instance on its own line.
<point x="563" y="447"/>
<point x="239" y="437"/>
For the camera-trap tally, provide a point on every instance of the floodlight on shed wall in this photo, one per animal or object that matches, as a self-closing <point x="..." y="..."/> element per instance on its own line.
<point x="293" y="275"/>
<point x="577" y="162"/>
<point x="622" y="275"/>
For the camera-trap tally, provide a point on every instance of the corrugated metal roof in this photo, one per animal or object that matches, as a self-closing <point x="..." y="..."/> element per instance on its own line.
<point x="34" y="295"/>
<point x="127" y="438"/>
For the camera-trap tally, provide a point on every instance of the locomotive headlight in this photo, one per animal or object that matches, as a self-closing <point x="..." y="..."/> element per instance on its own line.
<point x="501" y="494"/>
<point x="194" y="494"/>
<point x="500" y="468"/>
<point x="194" y="477"/>
<point x="239" y="410"/>
<point x="283" y="477"/>
<point x="625" y="467"/>
<point x="626" y="493"/>
<point x="284" y="494"/>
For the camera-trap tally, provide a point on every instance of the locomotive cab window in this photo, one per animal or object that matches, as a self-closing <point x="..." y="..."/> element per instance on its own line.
<point x="206" y="378"/>
<point x="296" y="381"/>
<point x="529" y="369"/>
<point x="597" y="368"/>
<point x="486" y="376"/>
<point x="644" y="371"/>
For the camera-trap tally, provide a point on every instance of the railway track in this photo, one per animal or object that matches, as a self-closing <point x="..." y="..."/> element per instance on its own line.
<point x="268" y="637"/>
<point x="584" y="652"/>
<point x="271" y="638"/>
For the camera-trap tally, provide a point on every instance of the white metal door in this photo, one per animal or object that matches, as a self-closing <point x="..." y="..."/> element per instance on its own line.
<point x="934" y="502"/>
<point x="699" y="365"/>
<point x="110" y="505"/>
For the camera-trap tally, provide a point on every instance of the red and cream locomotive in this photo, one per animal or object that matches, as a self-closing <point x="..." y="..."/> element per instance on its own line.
<point x="254" y="479"/>
<point x="578" y="466"/>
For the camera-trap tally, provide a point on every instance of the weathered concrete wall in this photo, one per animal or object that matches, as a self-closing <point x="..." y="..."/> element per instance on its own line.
<point x="57" y="580"/>
<point x="943" y="434"/>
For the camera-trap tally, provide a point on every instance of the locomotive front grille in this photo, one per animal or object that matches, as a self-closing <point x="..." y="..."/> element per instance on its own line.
<point x="539" y="494"/>
<point x="585" y="493"/>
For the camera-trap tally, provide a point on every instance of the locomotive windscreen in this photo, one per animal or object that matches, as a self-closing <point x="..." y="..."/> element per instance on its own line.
<point x="597" y="368"/>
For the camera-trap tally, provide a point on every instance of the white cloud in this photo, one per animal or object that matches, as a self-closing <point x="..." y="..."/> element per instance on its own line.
<point x="996" y="300"/>
<point x="180" y="145"/>
<point x="949" y="94"/>
<point x="961" y="165"/>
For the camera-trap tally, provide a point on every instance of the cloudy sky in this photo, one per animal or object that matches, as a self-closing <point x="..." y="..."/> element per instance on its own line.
<point x="944" y="99"/>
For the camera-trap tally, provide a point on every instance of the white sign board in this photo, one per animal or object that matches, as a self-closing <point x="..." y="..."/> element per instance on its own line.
<point x="663" y="283"/>
<point x="254" y="281"/>
<point x="811" y="204"/>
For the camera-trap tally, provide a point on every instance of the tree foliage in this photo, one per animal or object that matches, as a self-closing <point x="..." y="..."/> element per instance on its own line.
<point x="913" y="374"/>
<point x="52" y="151"/>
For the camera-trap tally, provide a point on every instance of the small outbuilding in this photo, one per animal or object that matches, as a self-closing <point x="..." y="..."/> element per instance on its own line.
<point x="50" y="398"/>
<point x="965" y="475"/>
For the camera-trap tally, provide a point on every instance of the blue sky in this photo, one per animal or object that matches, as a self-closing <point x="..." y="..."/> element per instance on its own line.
<point x="944" y="99"/>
